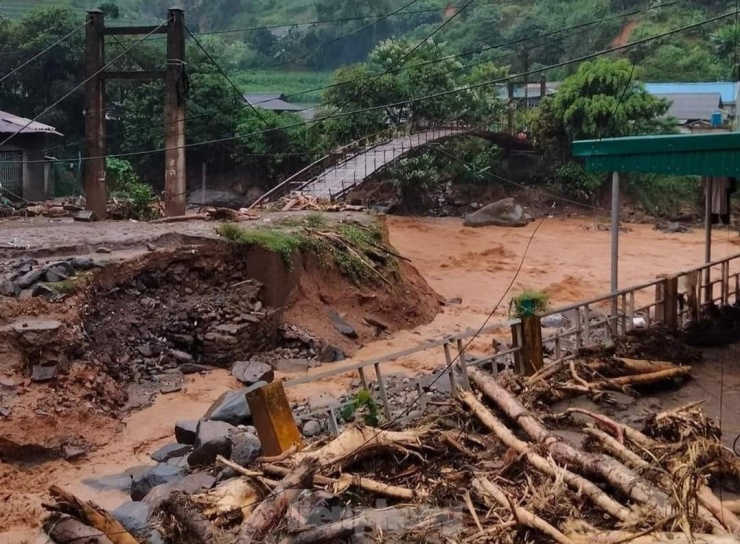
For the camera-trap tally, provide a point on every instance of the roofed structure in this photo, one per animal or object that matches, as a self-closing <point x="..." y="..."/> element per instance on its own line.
<point x="11" y="124"/>
<point x="693" y="106"/>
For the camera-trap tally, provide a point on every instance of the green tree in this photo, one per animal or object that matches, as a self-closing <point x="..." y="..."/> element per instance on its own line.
<point x="602" y="99"/>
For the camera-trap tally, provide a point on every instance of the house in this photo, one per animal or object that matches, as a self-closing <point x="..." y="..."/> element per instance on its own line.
<point x="697" y="112"/>
<point x="728" y="91"/>
<point x="276" y="102"/>
<point x="24" y="169"/>
<point x="529" y="95"/>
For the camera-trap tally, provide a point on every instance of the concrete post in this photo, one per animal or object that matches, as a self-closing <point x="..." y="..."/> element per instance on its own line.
<point x="96" y="195"/>
<point x="615" y="251"/>
<point x="708" y="188"/>
<point x="174" y="107"/>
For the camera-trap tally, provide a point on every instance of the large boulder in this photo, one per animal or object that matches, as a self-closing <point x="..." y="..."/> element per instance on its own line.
<point x="504" y="213"/>
<point x="247" y="447"/>
<point x="213" y="438"/>
<point x="134" y="516"/>
<point x="190" y="484"/>
<point x="232" y="407"/>
<point x="251" y="372"/>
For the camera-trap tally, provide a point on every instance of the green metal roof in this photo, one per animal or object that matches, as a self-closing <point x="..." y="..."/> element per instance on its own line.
<point x="677" y="154"/>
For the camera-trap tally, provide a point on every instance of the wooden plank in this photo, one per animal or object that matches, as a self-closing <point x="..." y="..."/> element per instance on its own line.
<point x="134" y="30"/>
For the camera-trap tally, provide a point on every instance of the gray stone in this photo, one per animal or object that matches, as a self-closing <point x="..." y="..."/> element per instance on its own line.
<point x="170" y="451"/>
<point x="185" y="432"/>
<point x="341" y="325"/>
<point x="504" y="213"/>
<point x="82" y="263"/>
<point x="311" y="428"/>
<point x="134" y="516"/>
<point x="194" y="368"/>
<point x="54" y="277"/>
<point x="158" y="475"/>
<point x="246" y="448"/>
<point x="331" y="354"/>
<point x="103" y="250"/>
<point x="9" y="288"/>
<point x="181" y="356"/>
<point x="554" y="321"/>
<point x="43" y="373"/>
<point x="290" y="366"/>
<point x="64" y="268"/>
<point x="453" y="300"/>
<point x="251" y="372"/>
<point x="232" y="406"/>
<point x="171" y="388"/>
<point x="192" y="483"/>
<point x="212" y="438"/>
<point x="28" y="279"/>
<point x="72" y="453"/>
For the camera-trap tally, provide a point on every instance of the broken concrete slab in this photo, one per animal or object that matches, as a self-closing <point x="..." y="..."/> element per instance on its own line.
<point x="62" y="267"/>
<point x="341" y="324"/>
<point x="213" y="438"/>
<point x="251" y="372"/>
<point x="158" y="475"/>
<point x="170" y="451"/>
<point x="52" y="276"/>
<point x="185" y="432"/>
<point x="134" y="516"/>
<point x="232" y="407"/>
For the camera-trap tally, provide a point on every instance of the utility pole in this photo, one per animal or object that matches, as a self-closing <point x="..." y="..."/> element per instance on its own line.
<point x="94" y="180"/>
<point x="96" y="193"/>
<point x="174" y="107"/>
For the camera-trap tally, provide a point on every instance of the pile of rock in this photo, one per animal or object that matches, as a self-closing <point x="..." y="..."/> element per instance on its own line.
<point x="31" y="278"/>
<point x="176" y="314"/>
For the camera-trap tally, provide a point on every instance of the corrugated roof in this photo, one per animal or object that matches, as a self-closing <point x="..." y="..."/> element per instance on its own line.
<point x="692" y="106"/>
<point x="11" y="124"/>
<point x="271" y="101"/>
<point x="676" y="154"/>
<point x="727" y="90"/>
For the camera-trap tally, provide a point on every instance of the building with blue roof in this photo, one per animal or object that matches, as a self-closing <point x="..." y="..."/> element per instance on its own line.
<point x="728" y="91"/>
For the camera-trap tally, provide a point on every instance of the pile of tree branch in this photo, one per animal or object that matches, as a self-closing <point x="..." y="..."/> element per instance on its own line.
<point x="487" y="469"/>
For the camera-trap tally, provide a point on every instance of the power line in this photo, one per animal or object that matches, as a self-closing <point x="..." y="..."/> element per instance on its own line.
<point x="436" y="95"/>
<point x="40" y="54"/>
<point x="579" y="26"/>
<point x="70" y="93"/>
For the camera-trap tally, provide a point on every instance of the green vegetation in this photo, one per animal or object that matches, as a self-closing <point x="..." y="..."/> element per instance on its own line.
<point x="357" y="250"/>
<point x="124" y="184"/>
<point x="530" y="302"/>
<point x="363" y="402"/>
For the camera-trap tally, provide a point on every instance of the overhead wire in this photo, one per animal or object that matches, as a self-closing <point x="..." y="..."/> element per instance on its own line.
<point x="436" y="95"/>
<point x="71" y="92"/>
<point x="509" y="286"/>
<point x="581" y="26"/>
<point x="44" y="51"/>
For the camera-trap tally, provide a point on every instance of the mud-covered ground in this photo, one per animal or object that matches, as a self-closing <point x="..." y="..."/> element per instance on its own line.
<point x="567" y="257"/>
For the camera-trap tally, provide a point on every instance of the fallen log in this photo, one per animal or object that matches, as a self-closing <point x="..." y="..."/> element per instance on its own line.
<point x="95" y="516"/>
<point x="333" y="532"/>
<point x="634" y="461"/>
<point x="272" y="510"/>
<point x="613" y="472"/>
<point x="635" y="366"/>
<point x="71" y="530"/>
<point x="358" y="442"/>
<point x="732" y="506"/>
<point x="574" y="481"/>
<point x="621" y="537"/>
<point x="643" y="379"/>
<point x="704" y="495"/>
<point x="524" y="517"/>
<point x="366" y="484"/>
<point x="194" y="526"/>
<point x="181" y="218"/>
<point x="235" y="495"/>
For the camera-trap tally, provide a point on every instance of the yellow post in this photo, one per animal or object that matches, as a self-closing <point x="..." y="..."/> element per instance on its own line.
<point x="273" y="419"/>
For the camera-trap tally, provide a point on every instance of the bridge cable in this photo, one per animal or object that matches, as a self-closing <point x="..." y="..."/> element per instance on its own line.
<point x="43" y="52"/>
<point x="405" y="68"/>
<point x="71" y="92"/>
<point x="439" y="94"/>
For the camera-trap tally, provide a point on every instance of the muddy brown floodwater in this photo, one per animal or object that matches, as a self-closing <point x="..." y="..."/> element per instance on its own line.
<point x="568" y="258"/>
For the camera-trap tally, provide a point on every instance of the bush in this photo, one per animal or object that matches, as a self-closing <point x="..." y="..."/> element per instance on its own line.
<point x="124" y="184"/>
<point x="573" y="181"/>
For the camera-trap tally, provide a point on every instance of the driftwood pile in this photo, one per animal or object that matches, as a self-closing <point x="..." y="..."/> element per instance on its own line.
<point x="296" y="201"/>
<point x="493" y="465"/>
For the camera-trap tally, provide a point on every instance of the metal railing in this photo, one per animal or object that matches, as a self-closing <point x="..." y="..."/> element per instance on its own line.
<point x="589" y="323"/>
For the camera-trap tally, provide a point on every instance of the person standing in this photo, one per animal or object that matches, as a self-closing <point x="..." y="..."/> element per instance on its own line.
<point x="719" y="200"/>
